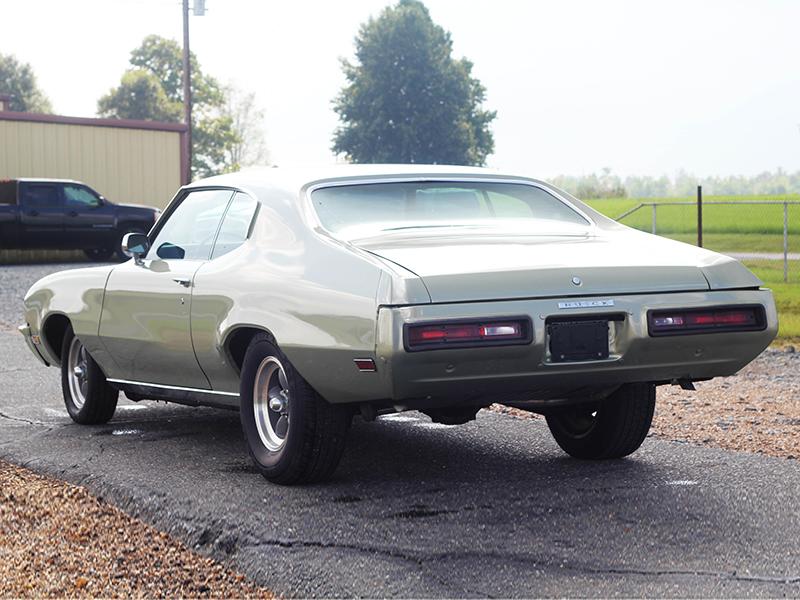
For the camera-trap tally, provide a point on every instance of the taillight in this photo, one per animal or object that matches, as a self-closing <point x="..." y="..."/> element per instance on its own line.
<point x="431" y="336"/>
<point x="711" y="320"/>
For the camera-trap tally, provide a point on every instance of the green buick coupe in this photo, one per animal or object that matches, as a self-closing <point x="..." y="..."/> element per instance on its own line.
<point x="304" y="297"/>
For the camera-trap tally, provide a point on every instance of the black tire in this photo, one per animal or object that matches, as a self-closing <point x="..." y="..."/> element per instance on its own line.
<point x="293" y="434"/>
<point x="611" y="428"/>
<point x="99" y="254"/>
<point x="89" y="398"/>
<point x="121" y="234"/>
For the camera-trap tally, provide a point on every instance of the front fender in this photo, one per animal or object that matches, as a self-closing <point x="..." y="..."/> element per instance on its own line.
<point x="76" y="295"/>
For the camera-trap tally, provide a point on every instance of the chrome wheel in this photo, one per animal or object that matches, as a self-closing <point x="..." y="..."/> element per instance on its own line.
<point x="271" y="402"/>
<point x="293" y="434"/>
<point x="78" y="373"/>
<point x="88" y="396"/>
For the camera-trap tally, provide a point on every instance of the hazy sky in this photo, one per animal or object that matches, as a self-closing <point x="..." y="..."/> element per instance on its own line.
<point x="642" y="87"/>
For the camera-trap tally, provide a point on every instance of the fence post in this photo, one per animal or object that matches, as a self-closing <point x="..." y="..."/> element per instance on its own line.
<point x="699" y="216"/>
<point x="655" y="205"/>
<point x="785" y="241"/>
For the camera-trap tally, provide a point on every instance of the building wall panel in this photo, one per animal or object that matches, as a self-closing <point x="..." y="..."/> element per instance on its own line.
<point x="127" y="164"/>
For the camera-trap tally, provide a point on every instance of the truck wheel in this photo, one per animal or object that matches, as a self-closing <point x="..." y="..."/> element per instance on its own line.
<point x="610" y="428"/>
<point x="89" y="398"/>
<point x="121" y="234"/>
<point x="293" y="434"/>
<point x="99" y="254"/>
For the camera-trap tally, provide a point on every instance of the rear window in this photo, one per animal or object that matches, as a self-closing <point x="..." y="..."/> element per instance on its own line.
<point x="8" y="192"/>
<point x="379" y="207"/>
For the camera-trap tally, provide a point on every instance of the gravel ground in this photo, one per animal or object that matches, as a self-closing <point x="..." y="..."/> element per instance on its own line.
<point x="56" y="540"/>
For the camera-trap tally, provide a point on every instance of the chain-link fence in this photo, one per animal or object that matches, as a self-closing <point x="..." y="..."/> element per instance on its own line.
<point x="763" y="234"/>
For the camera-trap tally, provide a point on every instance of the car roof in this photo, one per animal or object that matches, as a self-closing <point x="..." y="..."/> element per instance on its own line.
<point x="44" y="180"/>
<point x="294" y="178"/>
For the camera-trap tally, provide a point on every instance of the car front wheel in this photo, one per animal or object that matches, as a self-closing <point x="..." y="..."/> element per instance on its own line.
<point x="293" y="434"/>
<point x="89" y="398"/>
<point x="610" y="428"/>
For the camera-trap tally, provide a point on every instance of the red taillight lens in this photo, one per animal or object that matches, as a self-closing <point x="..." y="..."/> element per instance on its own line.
<point x="751" y="318"/>
<point x="430" y="336"/>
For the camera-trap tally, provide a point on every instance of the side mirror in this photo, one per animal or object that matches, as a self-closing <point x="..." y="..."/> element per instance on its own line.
<point x="136" y="245"/>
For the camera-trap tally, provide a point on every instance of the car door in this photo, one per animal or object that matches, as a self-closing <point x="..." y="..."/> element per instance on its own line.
<point x="145" y="324"/>
<point x="41" y="214"/>
<point x="88" y="219"/>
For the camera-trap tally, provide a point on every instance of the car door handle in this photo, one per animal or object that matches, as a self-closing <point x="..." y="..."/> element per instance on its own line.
<point x="183" y="282"/>
<point x="33" y="213"/>
<point x="72" y="213"/>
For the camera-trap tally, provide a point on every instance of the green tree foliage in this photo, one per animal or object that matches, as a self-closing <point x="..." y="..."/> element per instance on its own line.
<point x="247" y="122"/>
<point x="681" y="185"/>
<point x="164" y="59"/>
<point x="153" y="91"/>
<point x="592" y="186"/>
<point x="407" y="100"/>
<point x="140" y="97"/>
<point x="18" y="80"/>
<point x="216" y="137"/>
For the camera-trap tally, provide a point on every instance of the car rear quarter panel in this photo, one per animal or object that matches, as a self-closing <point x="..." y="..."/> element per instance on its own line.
<point x="315" y="295"/>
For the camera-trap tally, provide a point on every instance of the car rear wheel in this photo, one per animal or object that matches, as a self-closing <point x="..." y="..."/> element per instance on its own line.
<point x="293" y="434"/>
<point x="610" y="428"/>
<point x="88" y="396"/>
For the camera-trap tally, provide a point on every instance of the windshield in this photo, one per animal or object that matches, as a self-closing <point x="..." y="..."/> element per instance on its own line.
<point x="369" y="209"/>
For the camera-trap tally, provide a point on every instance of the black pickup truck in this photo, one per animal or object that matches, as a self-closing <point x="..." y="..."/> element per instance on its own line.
<point x="62" y="214"/>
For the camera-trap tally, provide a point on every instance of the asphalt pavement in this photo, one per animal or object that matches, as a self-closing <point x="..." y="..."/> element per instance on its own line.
<point x="416" y="509"/>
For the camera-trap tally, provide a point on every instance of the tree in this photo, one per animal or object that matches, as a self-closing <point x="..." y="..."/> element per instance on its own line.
<point x="164" y="59"/>
<point x="408" y="100"/>
<point x="247" y="122"/>
<point x="592" y="186"/>
<point x="18" y="80"/>
<point x="140" y="96"/>
<point x="158" y="63"/>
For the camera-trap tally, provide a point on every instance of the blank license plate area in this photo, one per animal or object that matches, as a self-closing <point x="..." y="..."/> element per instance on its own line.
<point x="578" y="340"/>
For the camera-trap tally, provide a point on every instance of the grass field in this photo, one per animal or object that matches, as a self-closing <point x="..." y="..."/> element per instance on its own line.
<point x="787" y="295"/>
<point x="737" y="226"/>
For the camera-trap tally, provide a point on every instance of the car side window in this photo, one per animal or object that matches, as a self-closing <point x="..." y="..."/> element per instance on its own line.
<point x="189" y="231"/>
<point x="235" y="225"/>
<point x="80" y="197"/>
<point x="41" y="195"/>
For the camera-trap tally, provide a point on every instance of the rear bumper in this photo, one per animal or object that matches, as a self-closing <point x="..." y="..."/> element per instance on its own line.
<point x="450" y="374"/>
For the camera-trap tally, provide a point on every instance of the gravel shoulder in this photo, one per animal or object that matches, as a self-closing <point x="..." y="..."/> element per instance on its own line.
<point x="56" y="540"/>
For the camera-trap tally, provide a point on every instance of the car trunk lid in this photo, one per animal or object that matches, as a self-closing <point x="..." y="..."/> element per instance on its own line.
<point x="462" y="269"/>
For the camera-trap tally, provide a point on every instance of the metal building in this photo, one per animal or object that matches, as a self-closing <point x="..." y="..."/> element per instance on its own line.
<point x="128" y="162"/>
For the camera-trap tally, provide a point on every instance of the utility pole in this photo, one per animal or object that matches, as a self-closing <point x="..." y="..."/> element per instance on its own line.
<point x="187" y="91"/>
<point x="199" y="10"/>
